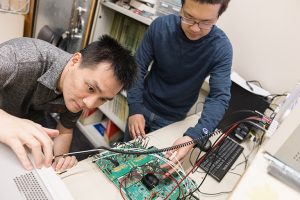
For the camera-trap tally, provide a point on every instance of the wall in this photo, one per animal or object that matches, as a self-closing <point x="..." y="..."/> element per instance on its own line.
<point x="12" y="26"/>
<point x="266" y="39"/>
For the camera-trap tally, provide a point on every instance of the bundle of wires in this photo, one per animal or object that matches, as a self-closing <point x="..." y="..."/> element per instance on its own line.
<point x="132" y="150"/>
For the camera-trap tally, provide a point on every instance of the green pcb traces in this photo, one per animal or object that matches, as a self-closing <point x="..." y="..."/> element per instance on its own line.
<point x="140" y="176"/>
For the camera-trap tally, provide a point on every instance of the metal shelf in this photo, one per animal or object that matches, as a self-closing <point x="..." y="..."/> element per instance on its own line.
<point x="126" y="12"/>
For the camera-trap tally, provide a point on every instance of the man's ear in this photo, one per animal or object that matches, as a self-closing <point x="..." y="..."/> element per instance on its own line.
<point x="76" y="58"/>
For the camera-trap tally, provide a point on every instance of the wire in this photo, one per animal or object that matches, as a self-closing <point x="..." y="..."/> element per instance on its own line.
<point x="214" y="158"/>
<point x="137" y="174"/>
<point x="235" y="173"/>
<point x="274" y="96"/>
<point x="175" y="147"/>
<point x="238" y="164"/>
<point x="178" y="168"/>
<point x="217" y="144"/>
<point x="233" y="126"/>
<point x="218" y="193"/>
<point x="253" y="81"/>
<point x="200" y="160"/>
<point x="245" y="111"/>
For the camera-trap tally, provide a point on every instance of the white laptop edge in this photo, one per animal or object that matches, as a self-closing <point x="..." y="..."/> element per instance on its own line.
<point x="54" y="184"/>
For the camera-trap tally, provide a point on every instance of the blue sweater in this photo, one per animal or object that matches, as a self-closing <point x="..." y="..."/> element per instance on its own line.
<point x="179" y="68"/>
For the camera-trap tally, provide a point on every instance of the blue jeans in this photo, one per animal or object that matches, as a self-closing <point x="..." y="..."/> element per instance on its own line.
<point x="153" y="122"/>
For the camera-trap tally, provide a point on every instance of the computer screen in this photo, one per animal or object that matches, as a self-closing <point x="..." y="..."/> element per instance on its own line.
<point x="242" y="99"/>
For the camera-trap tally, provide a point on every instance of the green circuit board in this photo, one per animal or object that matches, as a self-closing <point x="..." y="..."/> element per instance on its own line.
<point x="128" y="171"/>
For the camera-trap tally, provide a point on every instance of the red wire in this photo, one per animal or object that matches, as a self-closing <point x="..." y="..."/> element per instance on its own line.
<point x="197" y="164"/>
<point x="202" y="157"/>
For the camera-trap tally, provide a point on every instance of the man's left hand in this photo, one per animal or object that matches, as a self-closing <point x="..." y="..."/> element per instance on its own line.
<point x="180" y="153"/>
<point x="64" y="163"/>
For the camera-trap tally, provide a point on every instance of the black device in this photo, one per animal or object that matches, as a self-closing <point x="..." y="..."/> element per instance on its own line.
<point x="218" y="161"/>
<point x="204" y="146"/>
<point x="241" y="100"/>
<point x="150" y="181"/>
<point x="241" y="131"/>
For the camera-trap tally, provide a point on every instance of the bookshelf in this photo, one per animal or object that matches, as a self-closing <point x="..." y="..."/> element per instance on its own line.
<point x="92" y="134"/>
<point x="125" y="26"/>
<point x="117" y="111"/>
<point x="104" y="17"/>
<point x="126" y="12"/>
<point x="128" y="28"/>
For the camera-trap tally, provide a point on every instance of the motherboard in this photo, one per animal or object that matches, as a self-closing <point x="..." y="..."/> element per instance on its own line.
<point x="140" y="177"/>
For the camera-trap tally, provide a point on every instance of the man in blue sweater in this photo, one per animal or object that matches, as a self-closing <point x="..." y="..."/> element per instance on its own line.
<point x="185" y="50"/>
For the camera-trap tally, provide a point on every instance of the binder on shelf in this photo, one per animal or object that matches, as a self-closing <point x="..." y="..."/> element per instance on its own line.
<point x="100" y="127"/>
<point x="127" y="31"/>
<point x="142" y="7"/>
<point x="91" y="116"/>
<point x="112" y="132"/>
<point x="92" y="134"/>
<point x="117" y="110"/>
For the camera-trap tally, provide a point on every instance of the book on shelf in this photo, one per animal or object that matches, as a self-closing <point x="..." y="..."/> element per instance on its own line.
<point x="151" y="2"/>
<point x="91" y="116"/>
<point x="127" y="31"/>
<point x="142" y="6"/>
<point x="100" y="127"/>
<point x="120" y="107"/>
<point x="116" y="28"/>
<point x="112" y="132"/>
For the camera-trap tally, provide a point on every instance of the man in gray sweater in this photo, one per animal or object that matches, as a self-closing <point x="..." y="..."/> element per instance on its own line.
<point x="37" y="78"/>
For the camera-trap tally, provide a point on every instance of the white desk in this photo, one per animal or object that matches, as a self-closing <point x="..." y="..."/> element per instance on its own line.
<point x="257" y="184"/>
<point x="86" y="181"/>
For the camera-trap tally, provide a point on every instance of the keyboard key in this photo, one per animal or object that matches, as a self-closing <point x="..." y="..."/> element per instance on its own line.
<point x="221" y="158"/>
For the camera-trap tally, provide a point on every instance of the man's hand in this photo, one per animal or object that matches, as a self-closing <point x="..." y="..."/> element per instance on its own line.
<point x="179" y="154"/>
<point x="18" y="133"/>
<point x="64" y="163"/>
<point x="136" y="126"/>
<point x="62" y="145"/>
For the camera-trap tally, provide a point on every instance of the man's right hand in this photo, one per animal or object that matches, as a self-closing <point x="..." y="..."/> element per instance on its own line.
<point x="18" y="133"/>
<point x="136" y="126"/>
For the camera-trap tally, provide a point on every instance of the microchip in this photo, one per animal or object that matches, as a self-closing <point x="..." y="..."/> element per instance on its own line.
<point x="150" y="181"/>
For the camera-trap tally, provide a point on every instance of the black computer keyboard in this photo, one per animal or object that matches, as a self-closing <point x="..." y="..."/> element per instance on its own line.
<point x="221" y="158"/>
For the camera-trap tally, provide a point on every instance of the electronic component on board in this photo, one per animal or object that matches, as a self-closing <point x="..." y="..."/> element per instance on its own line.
<point x="150" y="181"/>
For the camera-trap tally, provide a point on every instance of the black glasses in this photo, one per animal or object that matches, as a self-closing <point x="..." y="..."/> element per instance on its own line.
<point x="201" y="25"/>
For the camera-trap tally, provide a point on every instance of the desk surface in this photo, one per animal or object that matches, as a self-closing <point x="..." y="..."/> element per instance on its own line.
<point x="257" y="184"/>
<point x="86" y="181"/>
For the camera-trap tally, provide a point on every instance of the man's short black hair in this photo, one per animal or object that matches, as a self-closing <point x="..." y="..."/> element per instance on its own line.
<point x="224" y="4"/>
<point x="107" y="49"/>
